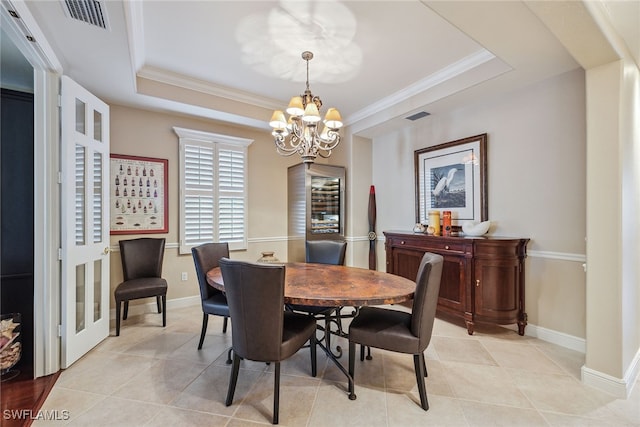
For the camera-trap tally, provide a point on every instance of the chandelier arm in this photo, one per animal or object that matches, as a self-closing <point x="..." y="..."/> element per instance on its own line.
<point x="281" y="146"/>
<point x="332" y="142"/>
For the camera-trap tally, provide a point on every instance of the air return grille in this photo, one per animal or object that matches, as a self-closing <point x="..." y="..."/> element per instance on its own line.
<point x="417" y="116"/>
<point x="89" y="11"/>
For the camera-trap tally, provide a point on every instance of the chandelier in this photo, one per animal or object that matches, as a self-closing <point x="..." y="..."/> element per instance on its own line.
<point x="301" y="133"/>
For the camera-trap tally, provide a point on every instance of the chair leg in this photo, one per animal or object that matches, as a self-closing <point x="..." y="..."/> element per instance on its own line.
<point x="224" y="325"/>
<point x="276" y="393"/>
<point x="362" y="352"/>
<point x="205" y="322"/>
<point x="419" y="363"/>
<point x="228" y="362"/>
<point x="126" y="310"/>
<point x="118" y="303"/>
<point x="158" y="302"/>
<point x="314" y="360"/>
<point x="233" y="380"/>
<point x="424" y="365"/>
<point x="164" y="311"/>
<point x="352" y="369"/>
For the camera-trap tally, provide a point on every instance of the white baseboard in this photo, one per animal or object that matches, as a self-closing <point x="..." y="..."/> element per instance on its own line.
<point x="560" y="338"/>
<point x="618" y="387"/>
<point x="152" y="307"/>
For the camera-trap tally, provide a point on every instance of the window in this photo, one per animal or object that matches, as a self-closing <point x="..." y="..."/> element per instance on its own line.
<point x="213" y="189"/>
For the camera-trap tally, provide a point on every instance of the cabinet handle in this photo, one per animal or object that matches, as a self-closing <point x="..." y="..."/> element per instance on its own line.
<point x="477" y="282"/>
<point x="446" y="247"/>
<point x="402" y="242"/>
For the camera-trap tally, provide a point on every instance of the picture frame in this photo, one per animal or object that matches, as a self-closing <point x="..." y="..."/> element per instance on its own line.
<point x="138" y="195"/>
<point x="453" y="177"/>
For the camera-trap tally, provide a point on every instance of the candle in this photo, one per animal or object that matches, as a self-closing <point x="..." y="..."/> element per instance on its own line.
<point x="434" y="222"/>
<point x="446" y="223"/>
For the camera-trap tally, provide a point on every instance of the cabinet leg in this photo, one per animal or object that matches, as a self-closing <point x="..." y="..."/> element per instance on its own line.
<point x="522" y="323"/>
<point x="470" y="326"/>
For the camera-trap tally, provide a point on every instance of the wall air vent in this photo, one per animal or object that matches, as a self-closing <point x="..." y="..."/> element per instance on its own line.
<point x="418" y="115"/>
<point x="90" y="11"/>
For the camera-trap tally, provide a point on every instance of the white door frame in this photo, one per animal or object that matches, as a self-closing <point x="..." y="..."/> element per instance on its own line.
<point x="47" y="72"/>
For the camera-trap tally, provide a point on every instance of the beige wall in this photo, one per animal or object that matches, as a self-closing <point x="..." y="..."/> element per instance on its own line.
<point x="150" y="134"/>
<point x="536" y="176"/>
<point x="630" y="230"/>
<point x="613" y="281"/>
<point x="536" y="157"/>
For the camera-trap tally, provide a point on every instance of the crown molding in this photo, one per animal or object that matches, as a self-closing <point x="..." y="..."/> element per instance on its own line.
<point x="462" y="66"/>
<point x="179" y="80"/>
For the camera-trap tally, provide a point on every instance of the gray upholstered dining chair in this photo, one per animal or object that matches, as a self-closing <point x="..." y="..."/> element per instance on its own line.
<point x="142" y="270"/>
<point x="214" y="302"/>
<point x="400" y="331"/>
<point x="324" y="252"/>
<point x="262" y="330"/>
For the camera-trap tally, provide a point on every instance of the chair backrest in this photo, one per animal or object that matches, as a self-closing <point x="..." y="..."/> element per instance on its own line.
<point x="326" y="251"/>
<point x="142" y="257"/>
<point x="206" y="257"/>
<point x="255" y="294"/>
<point x="425" y="300"/>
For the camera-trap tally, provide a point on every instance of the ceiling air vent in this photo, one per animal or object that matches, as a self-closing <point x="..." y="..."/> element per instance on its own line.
<point x="417" y="116"/>
<point x="90" y="11"/>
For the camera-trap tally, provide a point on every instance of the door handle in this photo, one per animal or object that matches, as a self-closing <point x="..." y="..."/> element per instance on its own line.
<point x="106" y="250"/>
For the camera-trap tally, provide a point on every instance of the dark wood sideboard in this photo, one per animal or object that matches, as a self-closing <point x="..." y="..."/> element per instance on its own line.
<point x="482" y="277"/>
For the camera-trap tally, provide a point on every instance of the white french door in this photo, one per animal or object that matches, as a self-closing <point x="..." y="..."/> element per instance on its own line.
<point x="85" y="221"/>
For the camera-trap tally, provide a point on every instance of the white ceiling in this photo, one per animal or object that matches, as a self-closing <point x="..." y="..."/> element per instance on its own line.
<point x="376" y="61"/>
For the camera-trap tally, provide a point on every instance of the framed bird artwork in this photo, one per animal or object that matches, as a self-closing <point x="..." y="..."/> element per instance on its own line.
<point x="453" y="177"/>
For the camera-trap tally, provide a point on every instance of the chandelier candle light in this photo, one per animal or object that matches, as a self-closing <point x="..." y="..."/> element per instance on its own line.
<point x="301" y="133"/>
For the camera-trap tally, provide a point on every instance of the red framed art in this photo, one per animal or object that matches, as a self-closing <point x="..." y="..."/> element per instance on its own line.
<point x="139" y="201"/>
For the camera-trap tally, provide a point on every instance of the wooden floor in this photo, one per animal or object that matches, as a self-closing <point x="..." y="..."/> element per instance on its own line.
<point x="22" y="397"/>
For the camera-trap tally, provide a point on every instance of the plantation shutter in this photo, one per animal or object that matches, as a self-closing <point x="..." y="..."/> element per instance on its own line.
<point x="213" y="189"/>
<point x="232" y="196"/>
<point x="199" y="195"/>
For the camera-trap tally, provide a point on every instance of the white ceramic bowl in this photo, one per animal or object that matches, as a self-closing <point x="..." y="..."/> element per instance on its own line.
<point x="475" y="228"/>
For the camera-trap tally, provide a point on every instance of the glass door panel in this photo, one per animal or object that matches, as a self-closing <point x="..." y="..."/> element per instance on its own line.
<point x="97" y="126"/>
<point x="81" y="123"/>
<point x="97" y="286"/>
<point x="325" y="205"/>
<point x="80" y="306"/>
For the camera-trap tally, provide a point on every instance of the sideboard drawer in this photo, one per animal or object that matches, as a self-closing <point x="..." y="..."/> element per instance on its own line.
<point x="437" y="244"/>
<point x="448" y="247"/>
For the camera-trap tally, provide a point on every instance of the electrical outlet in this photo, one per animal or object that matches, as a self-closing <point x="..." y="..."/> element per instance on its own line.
<point x="184" y="276"/>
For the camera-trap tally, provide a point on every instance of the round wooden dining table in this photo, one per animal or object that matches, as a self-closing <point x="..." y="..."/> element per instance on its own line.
<point x="326" y="285"/>
<point x="335" y="285"/>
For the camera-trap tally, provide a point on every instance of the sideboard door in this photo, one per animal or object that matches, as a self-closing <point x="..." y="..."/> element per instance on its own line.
<point x="453" y="296"/>
<point x="498" y="281"/>
<point x="453" y="285"/>
<point x="496" y="293"/>
<point x="406" y="262"/>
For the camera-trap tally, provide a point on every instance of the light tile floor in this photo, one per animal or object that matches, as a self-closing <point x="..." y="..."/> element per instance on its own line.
<point x="154" y="376"/>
